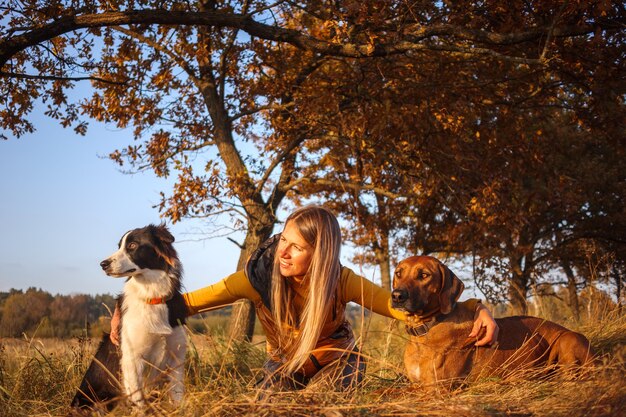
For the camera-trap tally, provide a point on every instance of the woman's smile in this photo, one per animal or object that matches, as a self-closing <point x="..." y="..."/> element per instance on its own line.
<point x="294" y="253"/>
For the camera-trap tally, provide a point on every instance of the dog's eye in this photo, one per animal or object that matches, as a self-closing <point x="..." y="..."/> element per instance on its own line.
<point x="132" y="246"/>
<point x="422" y="275"/>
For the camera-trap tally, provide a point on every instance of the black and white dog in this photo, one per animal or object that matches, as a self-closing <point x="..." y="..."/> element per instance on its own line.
<point x="153" y="343"/>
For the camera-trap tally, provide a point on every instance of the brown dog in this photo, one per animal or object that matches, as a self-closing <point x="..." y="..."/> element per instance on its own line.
<point x="440" y="351"/>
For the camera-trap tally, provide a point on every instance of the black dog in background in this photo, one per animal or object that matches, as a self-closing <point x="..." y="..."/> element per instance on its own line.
<point x="100" y="385"/>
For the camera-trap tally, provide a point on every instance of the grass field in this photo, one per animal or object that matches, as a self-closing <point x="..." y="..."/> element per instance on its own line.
<point x="40" y="376"/>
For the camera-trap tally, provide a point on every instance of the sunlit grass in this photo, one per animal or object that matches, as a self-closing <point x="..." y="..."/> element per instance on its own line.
<point x="40" y="376"/>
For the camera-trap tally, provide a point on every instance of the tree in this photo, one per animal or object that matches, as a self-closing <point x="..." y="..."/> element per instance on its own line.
<point x="69" y="312"/>
<point x="142" y="72"/>
<point x="22" y="312"/>
<point x="219" y="92"/>
<point x="490" y="162"/>
<point x="535" y="194"/>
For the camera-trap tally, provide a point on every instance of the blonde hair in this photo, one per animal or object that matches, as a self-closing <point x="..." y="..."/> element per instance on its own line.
<point x="320" y="229"/>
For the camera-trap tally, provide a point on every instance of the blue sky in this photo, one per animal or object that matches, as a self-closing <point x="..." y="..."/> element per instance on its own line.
<point x="64" y="206"/>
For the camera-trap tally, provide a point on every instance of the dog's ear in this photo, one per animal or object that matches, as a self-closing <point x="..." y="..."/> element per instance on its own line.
<point x="162" y="233"/>
<point x="164" y="239"/>
<point x="452" y="287"/>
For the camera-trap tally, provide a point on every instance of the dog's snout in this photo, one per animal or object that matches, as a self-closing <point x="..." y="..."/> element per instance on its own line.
<point x="399" y="296"/>
<point x="105" y="264"/>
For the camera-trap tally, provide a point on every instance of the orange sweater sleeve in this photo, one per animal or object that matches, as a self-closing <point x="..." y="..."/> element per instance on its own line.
<point x="369" y="295"/>
<point x="232" y="288"/>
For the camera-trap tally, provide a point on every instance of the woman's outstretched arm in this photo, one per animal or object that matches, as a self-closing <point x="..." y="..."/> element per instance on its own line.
<point x="225" y="292"/>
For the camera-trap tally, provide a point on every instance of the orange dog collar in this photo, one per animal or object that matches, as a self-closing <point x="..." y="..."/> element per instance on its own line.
<point x="156" y="300"/>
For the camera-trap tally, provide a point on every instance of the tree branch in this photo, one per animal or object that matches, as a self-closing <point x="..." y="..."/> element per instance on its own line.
<point x="352" y="186"/>
<point x="14" y="44"/>
<point x="255" y="110"/>
<point x="279" y="159"/>
<point x="161" y="48"/>
<point x="56" y="78"/>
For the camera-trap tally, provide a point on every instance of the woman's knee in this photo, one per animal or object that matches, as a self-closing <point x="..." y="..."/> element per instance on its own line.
<point x="353" y="371"/>
<point x="275" y="380"/>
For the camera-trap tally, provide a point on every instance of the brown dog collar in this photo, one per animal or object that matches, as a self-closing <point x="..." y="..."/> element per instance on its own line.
<point x="423" y="326"/>
<point x="420" y="329"/>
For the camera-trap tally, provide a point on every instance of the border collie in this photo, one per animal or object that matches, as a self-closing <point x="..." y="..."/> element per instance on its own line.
<point x="153" y="343"/>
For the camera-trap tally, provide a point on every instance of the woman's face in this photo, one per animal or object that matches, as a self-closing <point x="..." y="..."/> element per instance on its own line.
<point x="294" y="253"/>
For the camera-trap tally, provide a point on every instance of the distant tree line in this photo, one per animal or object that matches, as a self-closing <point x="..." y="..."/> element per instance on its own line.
<point x="37" y="312"/>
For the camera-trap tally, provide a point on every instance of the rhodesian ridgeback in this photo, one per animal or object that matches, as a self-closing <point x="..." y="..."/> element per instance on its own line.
<point x="439" y="350"/>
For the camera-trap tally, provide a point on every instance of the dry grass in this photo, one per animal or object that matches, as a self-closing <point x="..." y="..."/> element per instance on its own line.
<point x="39" y="377"/>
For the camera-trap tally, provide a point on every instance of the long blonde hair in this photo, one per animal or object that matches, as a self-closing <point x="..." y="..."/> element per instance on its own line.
<point x="320" y="229"/>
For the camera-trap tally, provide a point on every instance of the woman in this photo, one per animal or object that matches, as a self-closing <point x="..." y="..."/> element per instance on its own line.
<point x="300" y="292"/>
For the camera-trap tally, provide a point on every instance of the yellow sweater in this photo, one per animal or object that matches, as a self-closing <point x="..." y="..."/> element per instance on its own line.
<point x="353" y="288"/>
<point x="336" y="338"/>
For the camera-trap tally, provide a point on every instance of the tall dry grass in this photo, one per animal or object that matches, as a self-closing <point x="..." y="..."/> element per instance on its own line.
<point x="40" y="376"/>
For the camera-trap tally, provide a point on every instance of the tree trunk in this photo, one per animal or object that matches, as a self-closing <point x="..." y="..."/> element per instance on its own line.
<point x="382" y="258"/>
<point x="382" y="253"/>
<point x="260" y="220"/>
<point x="260" y="226"/>
<point x="618" y="284"/>
<point x="260" y="214"/>
<point x="385" y="271"/>
<point x="242" y="320"/>
<point x="518" y="286"/>
<point x="574" y="304"/>
<point x="518" y="297"/>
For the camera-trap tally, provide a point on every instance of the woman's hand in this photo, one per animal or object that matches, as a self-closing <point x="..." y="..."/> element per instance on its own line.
<point x="115" y="326"/>
<point x="484" y="319"/>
